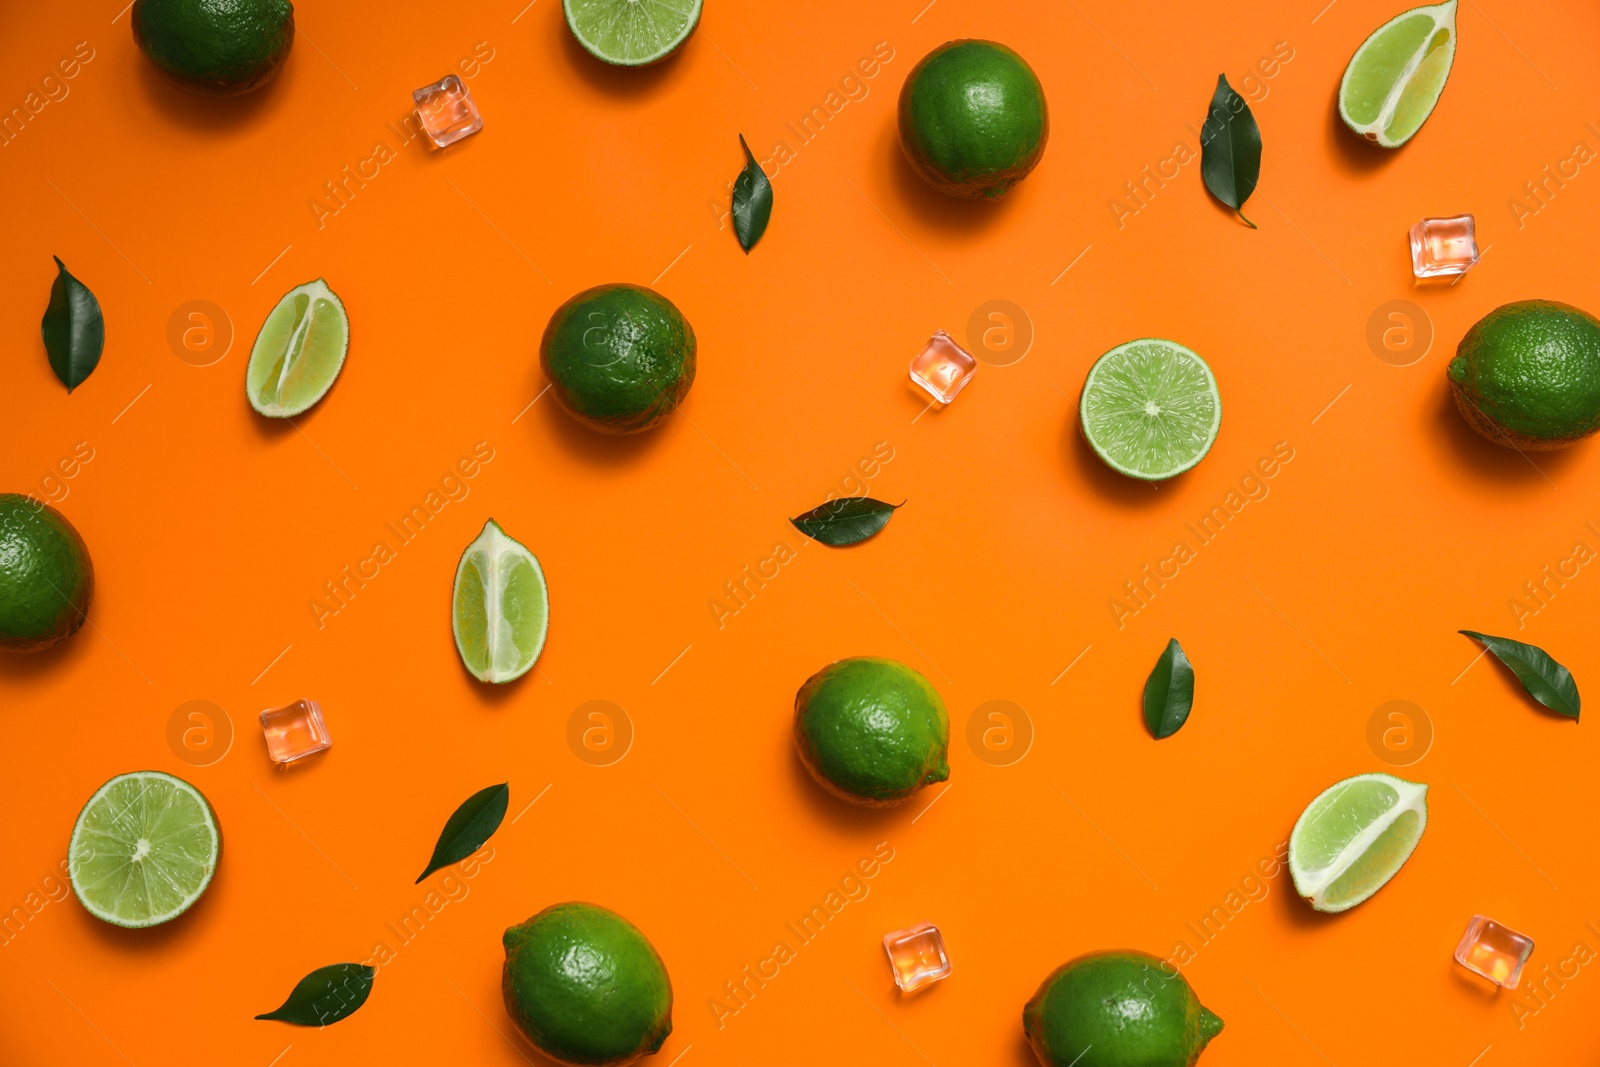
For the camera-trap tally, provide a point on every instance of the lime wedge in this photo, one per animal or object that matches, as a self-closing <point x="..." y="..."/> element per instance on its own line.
<point x="631" y="33"/>
<point x="1150" y="409"/>
<point x="143" y="850"/>
<point x="299" y="351"/>
<point x="501" y="607"/>
<point x="1395" y="78"/>
<point x="1354" y="837"/>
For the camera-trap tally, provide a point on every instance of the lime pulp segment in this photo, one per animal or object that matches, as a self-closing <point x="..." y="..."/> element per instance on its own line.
<point x="143" y="850"/>
<point x="501" y="607"/>
<point x="1150" y="408"/>
<point x="1354" y="837"/>
<point x="1396" y="76"/>
<point x="631" y="33"/>
<point x="299" y="351"/>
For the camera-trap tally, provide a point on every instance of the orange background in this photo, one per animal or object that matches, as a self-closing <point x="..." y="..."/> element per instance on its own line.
<point x="1392" y="527"/>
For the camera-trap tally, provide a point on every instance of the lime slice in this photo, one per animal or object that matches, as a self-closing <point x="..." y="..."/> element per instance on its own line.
<point x="501" y="607"/>
<point x="1150" y="408"/>
<point x="1395" y="78"/>
<point x="143" y="850"/>
<point x="299" y="351"/>
<point x="631" y="33"/>
<point x="1354" y="837"/>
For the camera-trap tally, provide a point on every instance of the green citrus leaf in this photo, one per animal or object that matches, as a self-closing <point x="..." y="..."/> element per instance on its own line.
<point x="326" y="995"/>
<point x="752" y="201"/>
<point x="845" y="521"/>
<point x="74" y="331"/>
<point x="1546" y="681"/>
<point x="473" y="823"/>
<point x="1169" y="692"/>
<point x="1230" y="149"/>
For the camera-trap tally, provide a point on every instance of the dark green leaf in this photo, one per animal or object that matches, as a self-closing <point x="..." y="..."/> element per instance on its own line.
<point x="845" y="521"/>
<point x="1169" y="692"/>
<point x="1230" y="149"/>
<point x="74" y="331"/>
<point x="1546" y="681"/>
<point x="326" y="995"/>
<point x="752" y="201"/>
<point x="473" y="823"/>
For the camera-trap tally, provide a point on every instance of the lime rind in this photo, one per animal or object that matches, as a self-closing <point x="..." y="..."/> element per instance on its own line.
<point x="299" y="352"/>
<point x="1393" y="82"/>
<point x="144" y="848"/>
<point x="631" y="33"/>
<point x="1150" y="408"/>
<point x="500" y="611"/>
<point x="1354" y="837"/>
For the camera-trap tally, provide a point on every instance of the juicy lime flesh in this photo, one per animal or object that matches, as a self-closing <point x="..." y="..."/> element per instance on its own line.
<point x="46" y="577"/>
<point x="1354" y="837"/>
<point x="299" y="352"/>
<point x="144" y="849"/>
<point x="1151" y="409"/>
<point x="501" y="607"/>
<point x="1422" y="90"/>
<point x="586" y="986"/>
<point x="872" y="730"/>
<point x="631" y="32"/>
<point x="1394" y="80"/>
<point x="1381" y="63"/>
<point x="973" y="119"/>
<point x="1378" y="863"/>
<point x="1335" y="820"/>
<point x="472" y="615"/>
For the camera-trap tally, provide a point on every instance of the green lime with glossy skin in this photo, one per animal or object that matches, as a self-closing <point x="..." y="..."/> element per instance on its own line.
<point x="1117" y="1009"/>
<point x="46" y="577"/>
<point x="618" y="357"/>
<point x="973" y="119"/>
<point x="215" y="47"/>
<point x="871" y="731"/>
<point x="1527" y="375"/>
<point x="586" y="986"/>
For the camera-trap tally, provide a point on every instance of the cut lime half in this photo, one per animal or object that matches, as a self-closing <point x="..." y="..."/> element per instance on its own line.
<point x="1150" y="408"/>
<point x="501" y="607"/>
<point x="143" y="850"/>
<point x="1353" y="838"/>
<point x="631" y="33"/>
<point x="1395" y="78"/>
<point x="299" y="351"/>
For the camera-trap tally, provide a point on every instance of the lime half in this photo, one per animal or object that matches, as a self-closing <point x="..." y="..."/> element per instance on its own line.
<point x="144" y="848"/>
<point x="1150" y="408"/>
<point x="299" y="351"/>
<point x="501" y="607"/>
<point x="631" y="33"/>
<point x="1395" y="78"/>
<point x="1353" y="838"/>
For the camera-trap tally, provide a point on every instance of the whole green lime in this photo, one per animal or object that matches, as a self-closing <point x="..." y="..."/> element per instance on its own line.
<point x="215" y="47"/>
<point x="871" y="731"/>
<point x="46" y="578"/>
<point x="1527" y="375"/>
<point x="973" y="120"/>
<point x="1117" y="1009"/>
<point x="619" y="357"/>
<point x="585" y="986"/>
